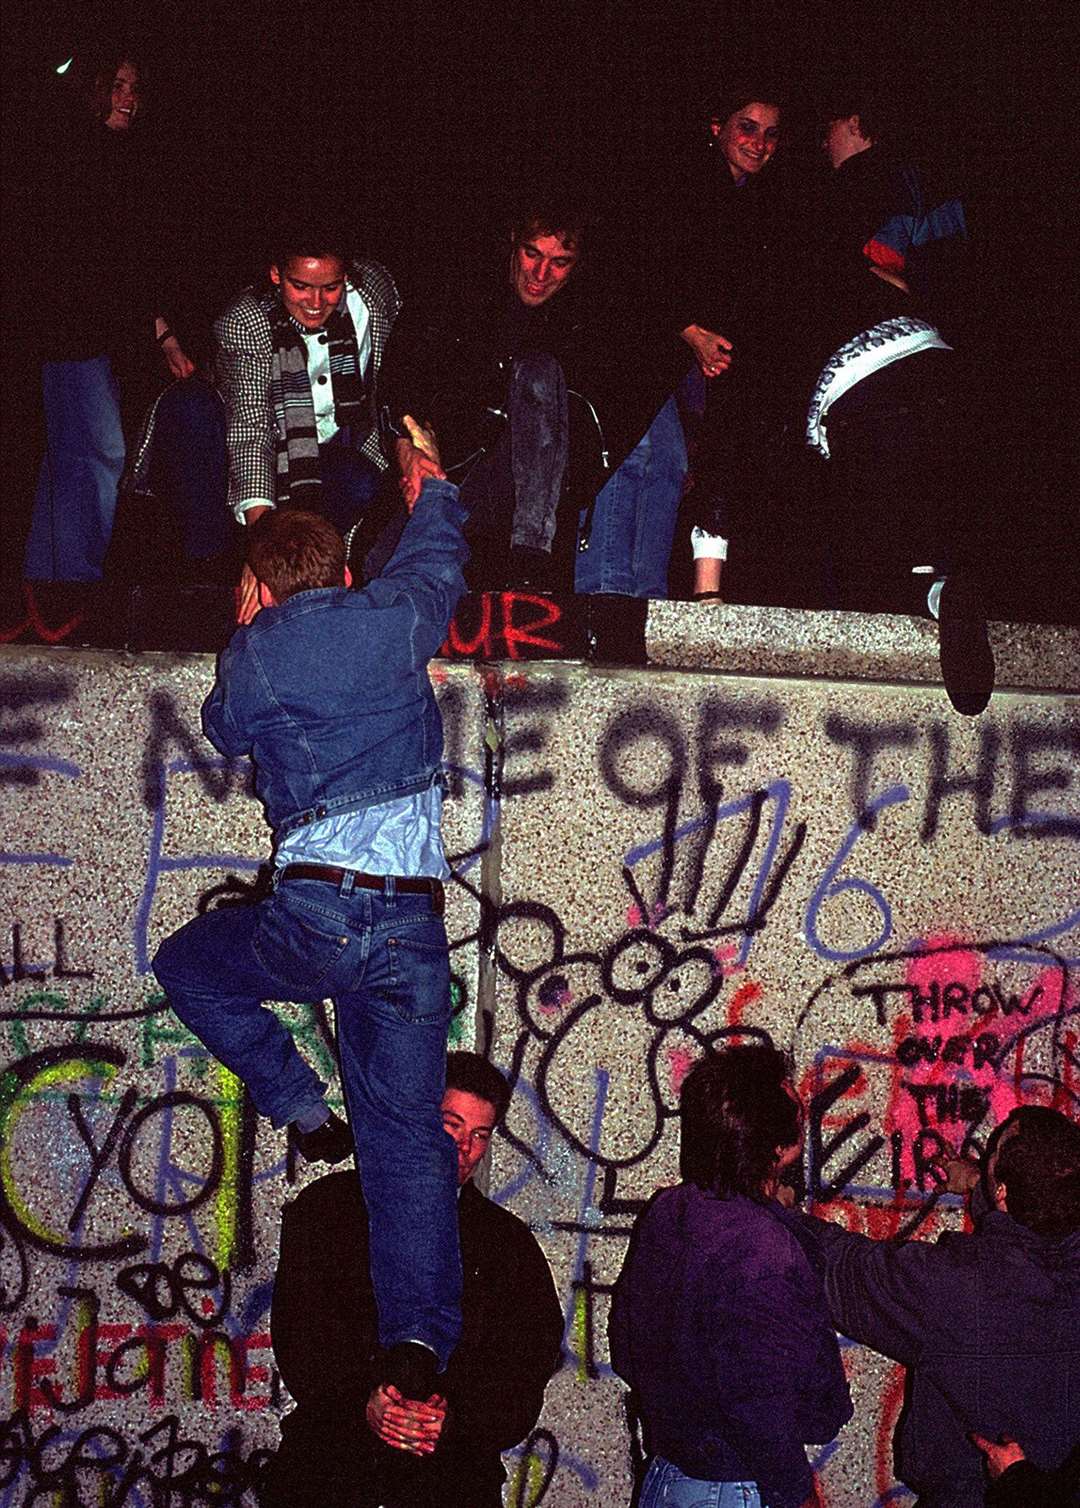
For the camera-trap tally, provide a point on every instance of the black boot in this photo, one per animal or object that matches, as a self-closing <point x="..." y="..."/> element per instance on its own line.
<point x="616" y="628"/>
<point x="967" y="661"/>
<point x="330" y="1142"/>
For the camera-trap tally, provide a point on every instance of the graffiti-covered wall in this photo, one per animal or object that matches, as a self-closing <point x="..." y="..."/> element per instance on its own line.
<point x="646" y="861"/>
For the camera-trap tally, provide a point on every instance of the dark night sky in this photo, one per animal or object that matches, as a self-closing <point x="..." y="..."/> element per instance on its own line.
<point x="400" y="107"/>
<point x="417" y="121"/>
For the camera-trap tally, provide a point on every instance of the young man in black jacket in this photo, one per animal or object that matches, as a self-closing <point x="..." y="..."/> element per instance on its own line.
<point x="550" y="404"/>
<point x="410" y="1454"/>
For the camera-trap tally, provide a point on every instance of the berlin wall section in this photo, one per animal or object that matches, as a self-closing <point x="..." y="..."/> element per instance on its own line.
<point x="647" y="861"/>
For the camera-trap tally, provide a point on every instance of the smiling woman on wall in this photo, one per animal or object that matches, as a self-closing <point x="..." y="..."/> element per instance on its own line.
<point x="100" y="264"/>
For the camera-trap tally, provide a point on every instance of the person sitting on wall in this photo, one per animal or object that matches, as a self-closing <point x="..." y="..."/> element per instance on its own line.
<point x="94" y="250"/>
<point x="986" y="1322"/>
<point x="549" y="406"/>
<point x="327" y="692"/>
<point x="323" y="1325"/>
<point x="726" y="302"/>
<point x="291" y="420"/>
<point x="718" y="1320"/>
<point x="882" y="400"/>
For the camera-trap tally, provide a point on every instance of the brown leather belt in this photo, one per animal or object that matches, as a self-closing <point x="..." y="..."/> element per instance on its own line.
<point x="331" y="875"/>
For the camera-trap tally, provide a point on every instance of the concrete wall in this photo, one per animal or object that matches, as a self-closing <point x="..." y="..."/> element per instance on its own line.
<point x="803" y="840"/>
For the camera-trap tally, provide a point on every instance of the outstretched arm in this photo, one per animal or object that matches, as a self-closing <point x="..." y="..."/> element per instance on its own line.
<point x="243" y="372"/>
<point x="427" y="568"/>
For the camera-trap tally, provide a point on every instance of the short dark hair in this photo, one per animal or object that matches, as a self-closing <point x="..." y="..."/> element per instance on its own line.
<point x="876" y="119"/>
<point x="554" y="212"/>
<point x="105" y="74"/>
<point x="315" y="246"/>
<point x="744" y="90"/>
<point x="1040" y="1168"/>
<point x="736" y="1114"/>
<point x="472" y="1074"/>
<point x="295" y="551"/>
<point x="300" y="225"/>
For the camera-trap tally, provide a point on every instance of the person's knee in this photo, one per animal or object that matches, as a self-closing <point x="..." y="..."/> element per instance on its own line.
<point x="537" y="377"/>
<point x="171" y="962"/>
<point x="188" y="406"/>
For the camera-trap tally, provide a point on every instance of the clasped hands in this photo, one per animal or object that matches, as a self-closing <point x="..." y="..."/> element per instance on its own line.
<point x="417" y="458"/>
<point x="406" y="1423"/>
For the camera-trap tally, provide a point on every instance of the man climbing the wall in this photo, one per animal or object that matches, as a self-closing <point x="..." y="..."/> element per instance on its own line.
<point x="327" y="691"/>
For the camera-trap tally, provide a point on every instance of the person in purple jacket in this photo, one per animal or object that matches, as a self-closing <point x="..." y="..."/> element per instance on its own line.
<point x="718" y="1320"/>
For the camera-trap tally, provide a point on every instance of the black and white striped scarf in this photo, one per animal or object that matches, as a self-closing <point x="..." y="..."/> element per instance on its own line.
<point x="298" y="458"/>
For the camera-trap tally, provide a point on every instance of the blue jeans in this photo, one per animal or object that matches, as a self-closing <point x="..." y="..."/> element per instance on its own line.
<point x="382" y="957"/>
<point x="75" y="500"/>
<point x="349" y="483"/>
<point x="665" y="1486"/>
<point x="634" y="515"/>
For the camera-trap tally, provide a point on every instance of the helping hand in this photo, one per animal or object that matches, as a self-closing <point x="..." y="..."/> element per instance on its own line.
<point x="247" y="596"/>
<point x="418" y="458"/>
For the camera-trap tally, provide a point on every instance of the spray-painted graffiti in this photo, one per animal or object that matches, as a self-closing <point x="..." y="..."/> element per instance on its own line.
<point x="639" y="873"/>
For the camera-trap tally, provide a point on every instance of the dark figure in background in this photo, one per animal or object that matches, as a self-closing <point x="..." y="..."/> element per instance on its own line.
<point x="899" y="493"/>
<point x="986" y="1323"/>
<point x="291" y="420"/>
<point x="327" y="692"/>
<point x="718" y="1322"/>
<point x="549" y="405"/>
<point x="727" y="304"/>
<point x="101" y="310"/>
<point x="446" y="1451"/>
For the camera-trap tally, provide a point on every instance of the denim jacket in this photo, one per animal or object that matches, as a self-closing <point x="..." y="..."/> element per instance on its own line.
<point x="329" y="692"/>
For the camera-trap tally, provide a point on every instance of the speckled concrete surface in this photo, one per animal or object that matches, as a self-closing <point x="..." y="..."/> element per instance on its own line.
<point x="858" y="646"/>
<point x="627" y="927"/>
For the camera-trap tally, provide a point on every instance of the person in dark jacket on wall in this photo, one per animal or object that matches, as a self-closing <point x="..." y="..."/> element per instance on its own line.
<point x="884" y="401"/>
<point x="327" y="692"/>
<point x="100" y="312"/>
<point x="987" y="1323"/>
<point x="726" y="304"/>
<point x="550" y="404"/>
<point x="325" y="1341"/>
<point x="718" y="1321"/>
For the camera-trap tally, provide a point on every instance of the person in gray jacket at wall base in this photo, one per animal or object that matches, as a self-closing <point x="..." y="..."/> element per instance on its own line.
<point x="987" y="1323"/>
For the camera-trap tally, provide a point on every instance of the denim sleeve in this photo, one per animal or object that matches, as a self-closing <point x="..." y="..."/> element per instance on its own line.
<point x="427" y="568"/>
<point x="218" y="723"/>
